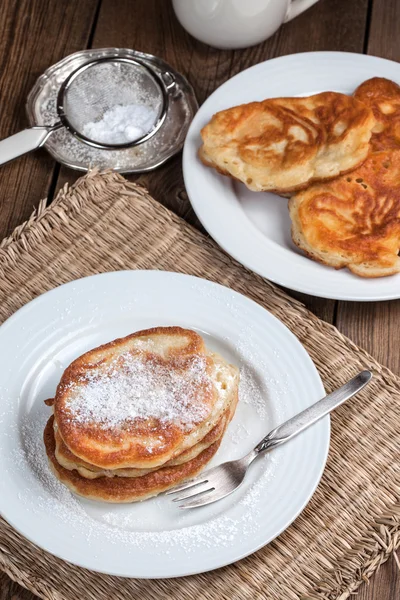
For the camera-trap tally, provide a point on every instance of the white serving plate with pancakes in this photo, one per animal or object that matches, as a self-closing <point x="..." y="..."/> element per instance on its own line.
<point x="155" y="538"/>
<point x="254" y="227"/>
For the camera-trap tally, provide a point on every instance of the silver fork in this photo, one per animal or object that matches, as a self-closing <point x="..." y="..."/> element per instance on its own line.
<point x="220" y="481"/>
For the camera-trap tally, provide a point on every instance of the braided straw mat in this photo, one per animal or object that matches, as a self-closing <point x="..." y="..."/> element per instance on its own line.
<point x="352" y="523"/>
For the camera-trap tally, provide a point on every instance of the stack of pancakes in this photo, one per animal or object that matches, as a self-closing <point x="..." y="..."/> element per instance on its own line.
<point x="140" y="415"/>
<point x="338" y="159"/>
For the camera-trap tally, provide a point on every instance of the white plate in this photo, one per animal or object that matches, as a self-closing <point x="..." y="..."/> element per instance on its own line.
<point x="255" y="227"/>
<point x="155" y="538"/>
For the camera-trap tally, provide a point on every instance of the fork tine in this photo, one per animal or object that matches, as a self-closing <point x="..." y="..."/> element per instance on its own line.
<point x="187" y="485"/>
<point x="201" y="499"/>
<point x="194" y="491"/>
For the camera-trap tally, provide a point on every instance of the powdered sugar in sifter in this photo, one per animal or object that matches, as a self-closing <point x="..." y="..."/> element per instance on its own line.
<point x="108" y="108"/>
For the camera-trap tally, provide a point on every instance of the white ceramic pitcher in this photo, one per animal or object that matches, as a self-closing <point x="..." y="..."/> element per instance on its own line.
<point x="236" y="23"/>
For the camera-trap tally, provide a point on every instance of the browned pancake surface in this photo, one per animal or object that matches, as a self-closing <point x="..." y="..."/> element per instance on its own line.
<point x="283" y="144"/>
<point x="383" y="97"/>
<point x="125" y="489"/>
<point x="353" y="221"/>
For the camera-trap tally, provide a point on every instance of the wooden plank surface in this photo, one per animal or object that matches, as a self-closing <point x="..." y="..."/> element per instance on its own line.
<point x="152" y="27"/>
<point x="34" y="35"/>
<point x="58" y="27"/>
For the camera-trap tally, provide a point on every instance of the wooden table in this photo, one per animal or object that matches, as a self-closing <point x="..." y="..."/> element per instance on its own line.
<point x="37" y="33"/>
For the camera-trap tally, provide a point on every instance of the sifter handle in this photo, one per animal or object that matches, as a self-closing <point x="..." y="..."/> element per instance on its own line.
<point x="24" y="141"/>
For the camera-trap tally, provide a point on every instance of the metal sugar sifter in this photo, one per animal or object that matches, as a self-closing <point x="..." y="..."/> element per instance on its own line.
<point x="110" y="108"/>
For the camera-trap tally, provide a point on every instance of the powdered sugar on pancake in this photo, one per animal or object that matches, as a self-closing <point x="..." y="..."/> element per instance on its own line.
<point x="132" y="389"/>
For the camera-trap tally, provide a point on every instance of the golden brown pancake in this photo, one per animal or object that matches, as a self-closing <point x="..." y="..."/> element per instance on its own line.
<point x="284" y="144"/>
<point x="353" y="221"/>
<point x="69" y="461"/>
<point x="383" y="97"/>
<point x="140" y="401"/>
<point x="125" y="489"/>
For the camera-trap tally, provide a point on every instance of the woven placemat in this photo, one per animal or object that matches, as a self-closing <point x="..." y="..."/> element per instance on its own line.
<point x="351" y="525"/>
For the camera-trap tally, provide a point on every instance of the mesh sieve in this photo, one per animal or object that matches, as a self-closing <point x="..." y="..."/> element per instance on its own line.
<point x="112" y="103"/>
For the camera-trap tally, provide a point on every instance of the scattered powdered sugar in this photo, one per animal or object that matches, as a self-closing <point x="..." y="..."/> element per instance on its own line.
<point x="251" y="391"/>
<point x="238" y="433"/>
<point x="261" y="381"/>
<point x="121" y="124"/>
<point x="31" y="458"/>
<point x="51" y="497"/>
<point x="132" y="389"/>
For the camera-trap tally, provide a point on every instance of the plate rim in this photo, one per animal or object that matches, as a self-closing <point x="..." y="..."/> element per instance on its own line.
<point x="240" y="555"/>
<point x="213" y="229"/>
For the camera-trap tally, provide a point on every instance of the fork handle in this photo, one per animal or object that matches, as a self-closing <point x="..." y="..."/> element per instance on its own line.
<point x="313" y="413"/>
